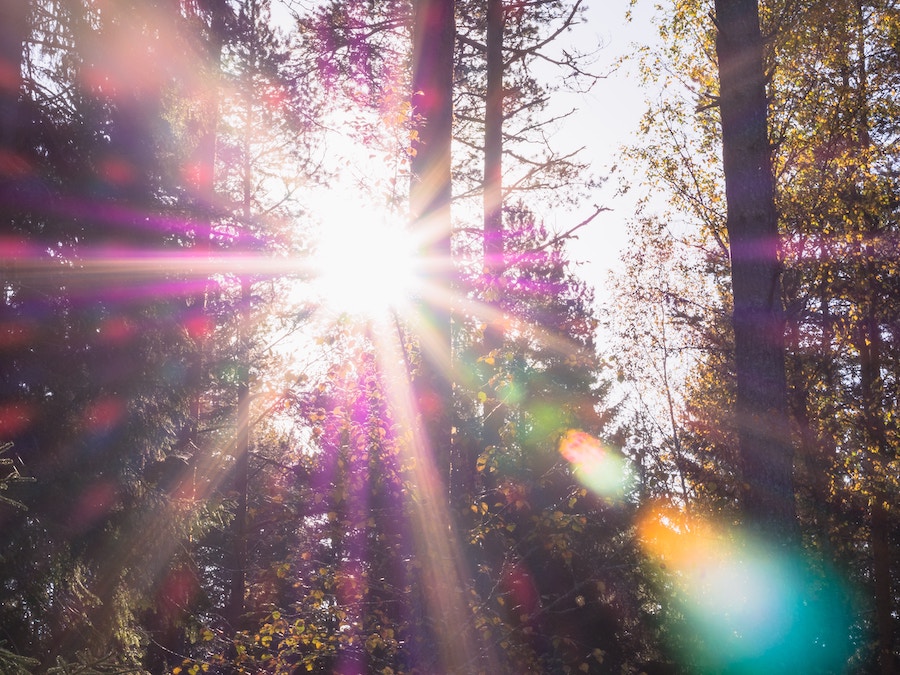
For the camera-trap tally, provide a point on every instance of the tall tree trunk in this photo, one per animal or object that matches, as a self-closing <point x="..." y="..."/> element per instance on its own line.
<point x="881" y="574"/>
<point x="870" y="355"/>
<point x="240" y="484"/>
<point x="441" y="578"/>
<point x="13" y="32"/>
<point x="493" y="247"/>
<point x="430" y="193"/>
<point x="761" y="410"/>
<point x="242" y="439"/>
<point x="871" y="387"/>
<point x="204" y="195"/>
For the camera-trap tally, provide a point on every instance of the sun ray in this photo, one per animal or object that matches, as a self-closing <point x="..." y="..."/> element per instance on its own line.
<point x="436" y="539"/>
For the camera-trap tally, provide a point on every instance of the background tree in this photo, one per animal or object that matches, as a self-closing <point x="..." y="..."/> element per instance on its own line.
<point x="812" y="140"/>
<point x="103" y="360"/>
<point x="533" y="516"/>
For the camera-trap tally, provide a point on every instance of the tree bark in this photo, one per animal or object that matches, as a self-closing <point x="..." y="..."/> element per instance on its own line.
<point x="761" y="409"/>
<point x="13" y="32"/>
<point x="430" y="193"/>
<point x="240" y="484"/>
<point x="204" y="197"/>
<point x="493" y="247"/>
<point x="871" y="379"/>
<point x="440" y="577"/>
<point x="238" y="586"/>
<point x="871" y="384"/>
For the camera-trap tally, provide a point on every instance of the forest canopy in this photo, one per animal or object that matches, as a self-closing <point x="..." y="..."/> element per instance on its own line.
<point x="298" y="374"/>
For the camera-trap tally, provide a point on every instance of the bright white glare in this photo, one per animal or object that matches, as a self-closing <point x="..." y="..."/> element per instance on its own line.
<point x="365" y="265"/>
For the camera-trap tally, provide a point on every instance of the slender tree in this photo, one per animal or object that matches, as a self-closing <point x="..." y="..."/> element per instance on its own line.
<point x="493" y="246"/>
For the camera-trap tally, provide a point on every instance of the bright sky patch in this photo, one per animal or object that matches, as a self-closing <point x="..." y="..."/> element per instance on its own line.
<point x="364" y="264"/>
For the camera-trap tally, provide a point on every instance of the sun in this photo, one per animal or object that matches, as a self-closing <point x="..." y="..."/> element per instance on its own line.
<point x="365" y="261"/>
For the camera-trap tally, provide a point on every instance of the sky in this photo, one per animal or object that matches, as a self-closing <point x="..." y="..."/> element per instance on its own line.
<point x="607" y="118"/>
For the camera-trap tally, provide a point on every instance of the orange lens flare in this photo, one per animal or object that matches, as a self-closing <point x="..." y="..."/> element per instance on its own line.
<point x="747" y="606"/>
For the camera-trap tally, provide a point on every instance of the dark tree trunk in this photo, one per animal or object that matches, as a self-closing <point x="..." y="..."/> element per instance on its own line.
<point x="869" y="344"/>
<point x="444" y="619"/>
<point x="238" y="587"/>
<point x="430" y="192"/>
<point x="240" y="484"/>
<point x="493" y="205"/>
<point x="238" y="558"/>
<point x="204" y="194"/>
<point x="761" y="415"/>
<point x="881" y="575"/>
<point x="13" y="32"/>
<point x="872" y="382"/>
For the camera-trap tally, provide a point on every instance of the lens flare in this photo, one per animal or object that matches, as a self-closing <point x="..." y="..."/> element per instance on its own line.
<point x="748" y="606"/>
<point x="15" y="418"/>
<point x="598" y="467"/>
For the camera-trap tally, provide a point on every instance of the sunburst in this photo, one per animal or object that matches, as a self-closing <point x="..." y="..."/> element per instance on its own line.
<point x="365" y="262"/>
